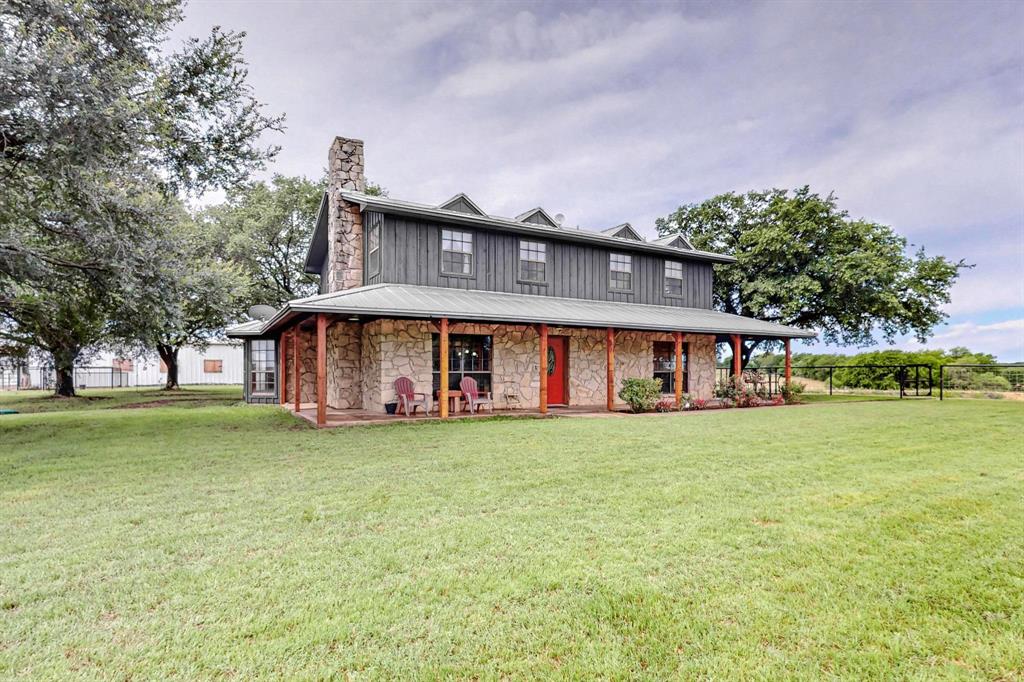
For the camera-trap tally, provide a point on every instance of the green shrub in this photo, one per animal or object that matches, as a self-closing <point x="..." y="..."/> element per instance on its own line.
<point x="641" y="394"/>
<point x="791" y="393"/>
<point x="989" y="381"/>
<point x="727" y="388"/>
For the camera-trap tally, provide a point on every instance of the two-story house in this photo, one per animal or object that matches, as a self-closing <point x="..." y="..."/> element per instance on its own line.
<point x="527" y="307"/>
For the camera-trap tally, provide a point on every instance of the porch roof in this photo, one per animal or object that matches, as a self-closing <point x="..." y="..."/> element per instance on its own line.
<point x="410" y="301"/>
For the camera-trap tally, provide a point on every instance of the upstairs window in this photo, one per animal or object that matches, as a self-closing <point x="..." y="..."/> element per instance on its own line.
<point x="456" y="252"/>
<point x="673" y="278"/>
<point x="533" y="261"/>
<point x="620" y="272"/>
<point x="373" y="248"/>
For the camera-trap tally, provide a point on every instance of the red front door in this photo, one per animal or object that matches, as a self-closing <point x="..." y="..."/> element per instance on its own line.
<point x="558" y="370"/>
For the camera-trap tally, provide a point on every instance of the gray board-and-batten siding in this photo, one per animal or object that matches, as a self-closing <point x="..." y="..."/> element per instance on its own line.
<point x="410" y="252"/>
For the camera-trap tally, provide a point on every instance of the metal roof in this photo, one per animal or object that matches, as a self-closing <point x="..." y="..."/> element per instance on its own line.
<point x="251" y="328"/>
<point x="410" y="301"/>
<point x="615" y="232"/>
<point x="666" y="245"/>
<point x="671" y="239"/>
<point x="537" y="210"/>
<point x="415" y="210"/>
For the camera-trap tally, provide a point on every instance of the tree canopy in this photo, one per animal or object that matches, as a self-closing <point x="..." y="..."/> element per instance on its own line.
<point x="265" y="229"/>
<point x="100" y="132"/>
<point x="802" y="261"/>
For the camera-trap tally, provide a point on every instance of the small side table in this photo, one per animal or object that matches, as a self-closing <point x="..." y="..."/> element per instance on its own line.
<point x="453" y="400"/>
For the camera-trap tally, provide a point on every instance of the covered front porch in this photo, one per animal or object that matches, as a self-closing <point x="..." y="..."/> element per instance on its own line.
<point x="338" y="370"/>
<point x="359" y="417"/>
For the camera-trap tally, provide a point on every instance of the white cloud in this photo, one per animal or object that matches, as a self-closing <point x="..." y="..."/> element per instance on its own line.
<point x="913" y="114"/>
<point x="1004" y="339"/>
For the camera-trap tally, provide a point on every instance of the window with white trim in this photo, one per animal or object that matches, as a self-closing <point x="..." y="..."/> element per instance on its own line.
<point x="673" y="278"/>
<point x="533" y="261"/>
<point x="262" y="367"/>
<point x="620" y="272"/>
<point x="456" y="252"/>
<point x="373" y="248"/>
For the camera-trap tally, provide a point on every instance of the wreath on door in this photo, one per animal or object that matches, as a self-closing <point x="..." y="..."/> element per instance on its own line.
<point x="551" y="361"/>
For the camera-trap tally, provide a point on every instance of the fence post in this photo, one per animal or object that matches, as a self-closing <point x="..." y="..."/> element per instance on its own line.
<point x="917" y="382"/>
<point x="941" y="368"/>
<point x="830" y="381"/>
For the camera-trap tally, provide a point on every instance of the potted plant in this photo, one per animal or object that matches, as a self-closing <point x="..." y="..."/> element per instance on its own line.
<point x="665" y="405"/>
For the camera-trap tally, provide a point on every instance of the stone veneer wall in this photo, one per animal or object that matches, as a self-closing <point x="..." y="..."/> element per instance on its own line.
<point x="344" y="220"/>
<point x="344" y="365"/>
<point x="307" y="375"/>
<point x="701" y="368"/>
<point x="393" y="348"/>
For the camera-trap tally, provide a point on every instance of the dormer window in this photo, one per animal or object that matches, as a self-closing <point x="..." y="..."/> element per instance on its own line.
<point x="620" y="272"/>
<point x="456" y="252"/>
<point x="673" y="278"/>
<point x="533" y="261"/>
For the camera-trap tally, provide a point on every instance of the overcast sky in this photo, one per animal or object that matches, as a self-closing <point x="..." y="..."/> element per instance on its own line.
<point x="913" y="113"/>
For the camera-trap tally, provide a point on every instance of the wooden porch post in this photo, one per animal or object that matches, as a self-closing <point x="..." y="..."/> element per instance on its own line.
<point x="543" y="369"/>
<point x="789" y="365"/>
<point x="443" y="352"/>
<point x="297" y="366"/>
<point x="679" y="369"/>
<point x="282" y="368"/>
<point x="609" y="346"/>
<point x="321" y="369"/>
<point x="736" y="357"/>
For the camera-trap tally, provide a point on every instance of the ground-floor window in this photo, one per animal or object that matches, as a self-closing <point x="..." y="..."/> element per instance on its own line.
<point x="469" y="355"/>
<point x="262" y="367"/>
<point x="665" y="365"/>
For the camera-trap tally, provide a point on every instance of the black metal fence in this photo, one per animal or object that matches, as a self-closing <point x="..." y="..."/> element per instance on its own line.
<point x="995" y="380"/>
<point x="44" y="377"/>
<point x="911" y="380"/>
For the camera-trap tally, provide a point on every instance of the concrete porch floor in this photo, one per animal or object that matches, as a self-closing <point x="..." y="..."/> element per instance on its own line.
<point x="336" y="417"/>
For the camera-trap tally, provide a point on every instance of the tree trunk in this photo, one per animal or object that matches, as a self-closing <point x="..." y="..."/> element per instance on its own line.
<point x="169" y="354"/>
<point x="64" y="366"/>
<point x="747" y="351"/>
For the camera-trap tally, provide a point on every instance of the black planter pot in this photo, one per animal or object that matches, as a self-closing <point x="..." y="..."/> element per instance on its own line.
<point x="390" y="407"/>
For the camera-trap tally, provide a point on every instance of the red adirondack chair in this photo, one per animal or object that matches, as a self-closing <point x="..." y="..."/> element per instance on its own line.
<point x="473" y="397"/>
<point x="408" y="398"/>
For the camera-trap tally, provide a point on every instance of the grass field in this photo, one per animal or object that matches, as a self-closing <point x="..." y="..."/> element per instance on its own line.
<point x="872" y="540"/>
<point x="105" y="399"/>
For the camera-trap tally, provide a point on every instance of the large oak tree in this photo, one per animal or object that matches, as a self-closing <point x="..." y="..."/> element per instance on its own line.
<point x="101" y="128"/>
<point x="802" y="261"/>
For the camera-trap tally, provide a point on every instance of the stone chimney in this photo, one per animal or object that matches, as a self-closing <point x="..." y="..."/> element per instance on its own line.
<point x="344" y="221"/>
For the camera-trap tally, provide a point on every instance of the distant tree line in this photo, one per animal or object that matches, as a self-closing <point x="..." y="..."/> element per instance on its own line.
<point x="861" y="375"/>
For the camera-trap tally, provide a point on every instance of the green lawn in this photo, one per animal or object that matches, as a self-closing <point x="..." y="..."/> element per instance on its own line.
<point x="102" y="399"/>
<point x="862" y="540"/>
